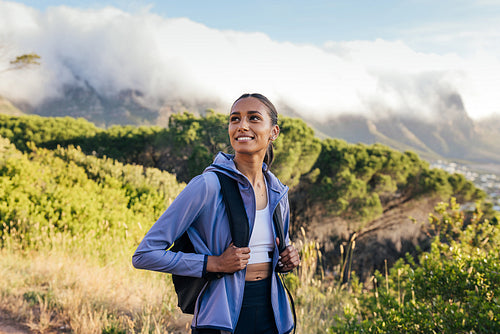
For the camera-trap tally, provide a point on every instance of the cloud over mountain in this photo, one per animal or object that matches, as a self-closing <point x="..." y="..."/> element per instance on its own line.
<point x="167" y="59"/>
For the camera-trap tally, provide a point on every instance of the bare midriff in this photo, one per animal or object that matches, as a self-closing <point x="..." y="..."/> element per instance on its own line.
<point x="258" y="271"/>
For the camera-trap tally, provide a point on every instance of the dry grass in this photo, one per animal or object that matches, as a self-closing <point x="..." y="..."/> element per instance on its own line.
<point x="318" y="298"/>
<point x="57" y="292"/>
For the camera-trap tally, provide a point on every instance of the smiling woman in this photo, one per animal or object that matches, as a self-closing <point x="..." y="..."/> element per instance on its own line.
<point x="247" y="285"/>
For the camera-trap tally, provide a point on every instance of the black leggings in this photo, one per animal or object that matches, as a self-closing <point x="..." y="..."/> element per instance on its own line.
<point x="256" y="316"/>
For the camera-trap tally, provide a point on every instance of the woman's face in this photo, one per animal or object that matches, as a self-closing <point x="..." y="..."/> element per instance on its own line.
<point x="250" y="127"/>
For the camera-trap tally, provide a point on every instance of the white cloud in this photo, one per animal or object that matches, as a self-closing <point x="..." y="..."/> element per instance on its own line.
<point x="177" y="58"/>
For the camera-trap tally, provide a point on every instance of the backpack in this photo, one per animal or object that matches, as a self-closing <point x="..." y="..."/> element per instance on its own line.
<point x="188" y="288"/>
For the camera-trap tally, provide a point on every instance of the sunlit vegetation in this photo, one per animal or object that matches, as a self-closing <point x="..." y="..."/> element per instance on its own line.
<point x="69" y="224"/>
<point x="65" y="191"/>
<point x="357" y="181"/>
<point x="75" y="200"/>
<point x="453" y="288"/>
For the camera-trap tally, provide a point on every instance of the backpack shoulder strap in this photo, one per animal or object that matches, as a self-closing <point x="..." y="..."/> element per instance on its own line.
<point x="278" y="226"/>
<point x="238" y="220"/>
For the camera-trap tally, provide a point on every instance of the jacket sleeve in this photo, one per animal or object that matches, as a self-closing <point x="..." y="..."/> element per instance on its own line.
<point x="153" y="254"/>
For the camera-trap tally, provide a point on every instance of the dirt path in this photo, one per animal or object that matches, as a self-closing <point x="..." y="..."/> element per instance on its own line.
<point x="11" y="327"/>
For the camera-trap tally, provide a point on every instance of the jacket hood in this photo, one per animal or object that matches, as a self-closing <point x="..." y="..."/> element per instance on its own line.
<point x="224" y="162"/>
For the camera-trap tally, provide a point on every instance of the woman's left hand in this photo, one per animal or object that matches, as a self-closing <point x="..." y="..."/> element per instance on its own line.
<point x="289" y="259"/>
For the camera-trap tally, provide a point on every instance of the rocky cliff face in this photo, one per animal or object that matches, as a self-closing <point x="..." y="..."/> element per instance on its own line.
<point x="450" y="134"/>
<point x="127" y="107"/>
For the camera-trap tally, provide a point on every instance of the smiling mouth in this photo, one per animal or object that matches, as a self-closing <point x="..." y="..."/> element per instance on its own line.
<point x="246" y="138"/>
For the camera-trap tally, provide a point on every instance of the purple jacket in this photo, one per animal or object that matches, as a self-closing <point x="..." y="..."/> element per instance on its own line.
<point x="199" y="209"/>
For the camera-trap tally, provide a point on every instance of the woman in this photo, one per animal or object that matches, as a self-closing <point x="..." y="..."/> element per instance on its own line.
<point x="251" y="297"/>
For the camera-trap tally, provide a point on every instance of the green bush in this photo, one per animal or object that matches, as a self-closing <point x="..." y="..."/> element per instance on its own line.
<point x="44" y="131"/>
<point x="453" y="288"/>
<point x="64" y="192"/>
<point x="356" y="181"/>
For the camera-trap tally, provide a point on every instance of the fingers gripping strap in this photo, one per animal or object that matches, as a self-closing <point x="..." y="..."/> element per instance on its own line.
<point x="238" y="220"/>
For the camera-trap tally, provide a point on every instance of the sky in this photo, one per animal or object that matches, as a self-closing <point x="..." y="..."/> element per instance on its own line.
<point x="427" y="25"/>
<point x="317" y="57"/>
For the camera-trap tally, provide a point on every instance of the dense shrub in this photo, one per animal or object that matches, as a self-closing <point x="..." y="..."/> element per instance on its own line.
<point x="66" y="191"/>
<point x="44" y="131"/>
<point x="355" y="181"/>
<point x="453" y="288"/>
<point x="296" y="151"/>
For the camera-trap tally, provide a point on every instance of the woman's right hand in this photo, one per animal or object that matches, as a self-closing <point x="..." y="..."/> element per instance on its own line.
<point x="232" y="260"/>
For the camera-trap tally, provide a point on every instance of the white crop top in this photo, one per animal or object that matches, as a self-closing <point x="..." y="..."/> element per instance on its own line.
<point x="262" y="239"/>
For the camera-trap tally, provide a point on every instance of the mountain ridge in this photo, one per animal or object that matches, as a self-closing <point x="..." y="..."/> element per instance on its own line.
<point x="451" y="134"/>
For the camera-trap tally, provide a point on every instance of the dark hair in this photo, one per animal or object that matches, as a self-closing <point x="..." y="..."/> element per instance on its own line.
<point x="273" y="113"/>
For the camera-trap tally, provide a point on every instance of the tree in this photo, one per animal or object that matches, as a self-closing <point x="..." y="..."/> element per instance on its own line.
<point x="19" y="62"/>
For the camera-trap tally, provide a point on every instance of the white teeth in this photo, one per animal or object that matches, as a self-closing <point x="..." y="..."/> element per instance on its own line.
<point x="243" y="138"/>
